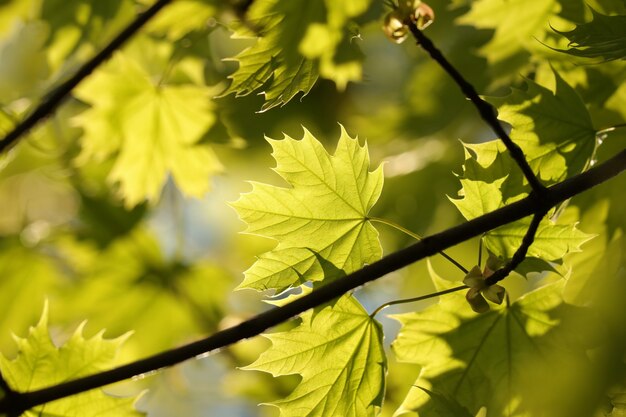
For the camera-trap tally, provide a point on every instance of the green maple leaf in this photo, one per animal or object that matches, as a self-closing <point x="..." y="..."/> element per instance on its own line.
<point x="338" y="351"/>
<point x="553" y="128"/>
<point x="491" y="180"/>
<point x="297" y="41"/>
<point x="482" y="360"/>
<point x="40" y="363"/>
<point x="325" y="212"/>
<point x="517" y="25"/>
<point x="552" y="241"/>
<point x="150" y="130"/>
<point x="604" y="37"/>
<point x="555" y="132"/>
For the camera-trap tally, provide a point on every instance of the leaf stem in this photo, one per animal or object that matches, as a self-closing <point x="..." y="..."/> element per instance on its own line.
<point x="610" y="129"/>
<point x="415" y="299"/>
<point x="486" y="110"/>
<point x="416" y="237"/>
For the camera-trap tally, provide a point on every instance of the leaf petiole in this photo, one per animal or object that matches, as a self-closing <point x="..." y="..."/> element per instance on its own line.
<point x="415" y="299"/>
<point x="416" y="237"/>
<point x="609" y="129"/>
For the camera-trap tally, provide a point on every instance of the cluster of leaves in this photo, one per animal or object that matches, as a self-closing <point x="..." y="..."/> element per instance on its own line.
<point x="145" y="129"/>
<point x="296" y="42"/>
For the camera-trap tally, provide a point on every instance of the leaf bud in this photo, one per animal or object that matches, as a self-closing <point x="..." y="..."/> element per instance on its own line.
<point x="423" y="16"/>
<point x="494" y="293"/>
<point x="479" y="290"/>
<point x="394" y="27"/>
<point x="476" y="301"/>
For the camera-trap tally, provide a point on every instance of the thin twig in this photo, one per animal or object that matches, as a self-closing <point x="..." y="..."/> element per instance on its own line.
<point x="486" y="110"/>
<point x="520" y="253"/>
<point x="60" y="93"/>
<point x="416" y="299"/>
<point x="429" y="246"/>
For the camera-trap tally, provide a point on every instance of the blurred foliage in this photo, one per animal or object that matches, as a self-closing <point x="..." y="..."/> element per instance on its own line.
<point x="115" y="209"/>
<point x="41" y="363"/>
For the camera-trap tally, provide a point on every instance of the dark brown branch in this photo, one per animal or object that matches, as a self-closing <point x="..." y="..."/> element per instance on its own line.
<point x="60" y="93"/>
<point x="4" y="387"/>
<point x="520" y="253"/>
<point x="427" y="247"/>
<point x="486" y="110"/>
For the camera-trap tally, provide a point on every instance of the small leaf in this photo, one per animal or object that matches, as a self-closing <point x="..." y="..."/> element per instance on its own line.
<point x="338" y="351"/>
<point x="479" y="291"/>
<point x="494" y="293"/>
<point x="40" y="364"/>
<point x="475" y="278"/>
<point x="416" y="11"/>
<point x="424" y="16"/>
<point x="324" y="214"/>
<point x="394" y="27"/>
<point x="476" y="301"/>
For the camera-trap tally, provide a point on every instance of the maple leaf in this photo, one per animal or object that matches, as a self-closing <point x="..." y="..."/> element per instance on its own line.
<point x="499" y="182"/>
<point x="507" y="51"/>
<point x="555" y="132"/>
<point x="483" y="360"/>
<point x="325" y="212"/>
<point x="150" y="130"/>
<point x="604" y="37"/>
<point x="39" y="363"/>
<point x="553" y="128"/>
<point x="338" y="351"/>
<point x="296" y="42"/>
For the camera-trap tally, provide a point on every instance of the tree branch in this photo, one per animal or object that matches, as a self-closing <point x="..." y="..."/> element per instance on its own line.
<point x="486" y="110"/>
<point x="520" y="253"/>
<point x="56" y="97"/>
<point x="4" y="387"/>
<point x="429" y="246"/>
